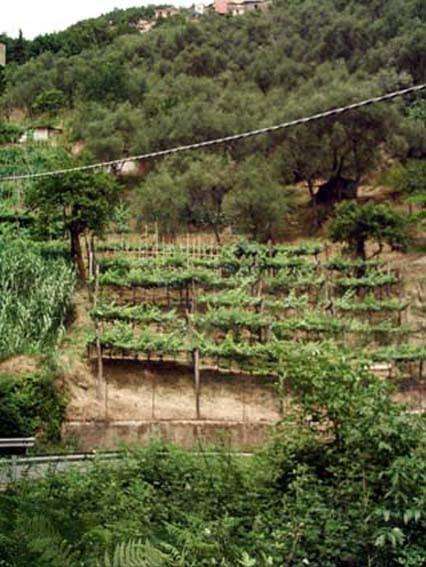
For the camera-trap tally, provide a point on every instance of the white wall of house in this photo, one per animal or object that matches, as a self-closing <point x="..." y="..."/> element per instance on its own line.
<point x="2" y="55"/>
<point x="199" y="9"/>
<point x="39" y="135"/>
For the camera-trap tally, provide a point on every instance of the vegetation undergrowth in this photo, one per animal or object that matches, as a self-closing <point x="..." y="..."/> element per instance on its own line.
<point x="340" y="483"/>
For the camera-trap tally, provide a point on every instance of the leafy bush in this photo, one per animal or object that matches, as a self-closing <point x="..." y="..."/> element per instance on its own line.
<point x="49" y="101"/>
<point x="410" y="181"/>
<point x="9" y="133"/>
<point x="31" y="403"/>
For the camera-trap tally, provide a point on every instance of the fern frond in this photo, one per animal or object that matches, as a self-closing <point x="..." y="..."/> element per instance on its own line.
<point x="48" y="544"/>
<point x="135" y="553"/>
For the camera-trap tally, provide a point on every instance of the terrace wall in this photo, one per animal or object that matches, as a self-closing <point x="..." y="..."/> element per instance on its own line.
<point x="147" y="400"/>
<point x="158" y="400"/>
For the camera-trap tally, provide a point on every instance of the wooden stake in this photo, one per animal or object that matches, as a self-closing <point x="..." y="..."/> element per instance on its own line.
<point x="197" y="382"/>
<point x="100" y="384"/>
<point x="156" y="238"/>
<point x="91" y="273"/>
<point x="195" y="356"/>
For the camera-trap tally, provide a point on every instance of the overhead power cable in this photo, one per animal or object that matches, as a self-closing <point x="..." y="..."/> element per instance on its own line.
<point x="217" y="141"/>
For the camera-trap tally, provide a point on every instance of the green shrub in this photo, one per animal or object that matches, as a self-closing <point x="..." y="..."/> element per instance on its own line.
<point x="31" y="404"/>
<point x="9" y="133"/>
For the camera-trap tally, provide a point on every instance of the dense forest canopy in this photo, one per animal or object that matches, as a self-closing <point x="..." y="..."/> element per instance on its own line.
<point x="120" y="93"/>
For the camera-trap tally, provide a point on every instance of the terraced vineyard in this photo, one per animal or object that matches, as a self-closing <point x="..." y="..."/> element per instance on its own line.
<point x="245" y="307"/>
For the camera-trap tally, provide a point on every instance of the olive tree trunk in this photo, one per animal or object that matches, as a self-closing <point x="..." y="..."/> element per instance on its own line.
<point x="77" y="254"/>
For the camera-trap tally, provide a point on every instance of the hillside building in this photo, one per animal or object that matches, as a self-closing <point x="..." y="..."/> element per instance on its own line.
<point x="166" y="12"/>
<point x="2" y="55"/>
<point x="40" y="134"/>
<point x="239" y="7"/>
<point x="144" y="26"/>
<point x="199" y="9"/>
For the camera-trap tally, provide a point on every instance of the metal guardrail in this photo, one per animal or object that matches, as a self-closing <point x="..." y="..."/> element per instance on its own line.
<point x="71" y="458"/>
<point x="17" y="443"/>
<point x="15" y="468"/>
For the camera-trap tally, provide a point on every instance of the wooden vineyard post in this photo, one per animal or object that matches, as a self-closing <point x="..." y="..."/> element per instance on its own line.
<point x="197" y="382"/>
<point x="196" y="360"/>
<point x="157" y="242"/>
<point x="401" y="299"/>
<point x="329" y="294"/>
<point x="187" y="295"/>
<point x="261" y="306"/>
<point x="100" y="382"/>
<point x="89" y="253"/>
<point x="91" y="271"/>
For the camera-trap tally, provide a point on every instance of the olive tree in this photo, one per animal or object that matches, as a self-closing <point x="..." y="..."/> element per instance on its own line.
<point x="356" y="224"/>
<point x="333" y="156"/>
<point x="257" y="204"/>
<point x="188" y="192"/>
<point x="163" y="201"/>
<point x="84" y="201"/>
<point x="206" y="181"/>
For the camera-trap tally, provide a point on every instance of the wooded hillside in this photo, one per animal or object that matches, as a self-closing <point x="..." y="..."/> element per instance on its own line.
<point x="122" y="93"/>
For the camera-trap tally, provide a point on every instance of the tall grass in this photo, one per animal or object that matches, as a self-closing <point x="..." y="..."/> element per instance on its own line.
<point x="35" y="298"/>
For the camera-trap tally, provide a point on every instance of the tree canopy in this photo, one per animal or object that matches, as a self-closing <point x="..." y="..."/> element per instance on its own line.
<point x="357" y="224"/>
<point x="81" y="201"/>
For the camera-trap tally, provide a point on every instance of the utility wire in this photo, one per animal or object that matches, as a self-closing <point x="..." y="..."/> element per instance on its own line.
<point x="217" y="141"/>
